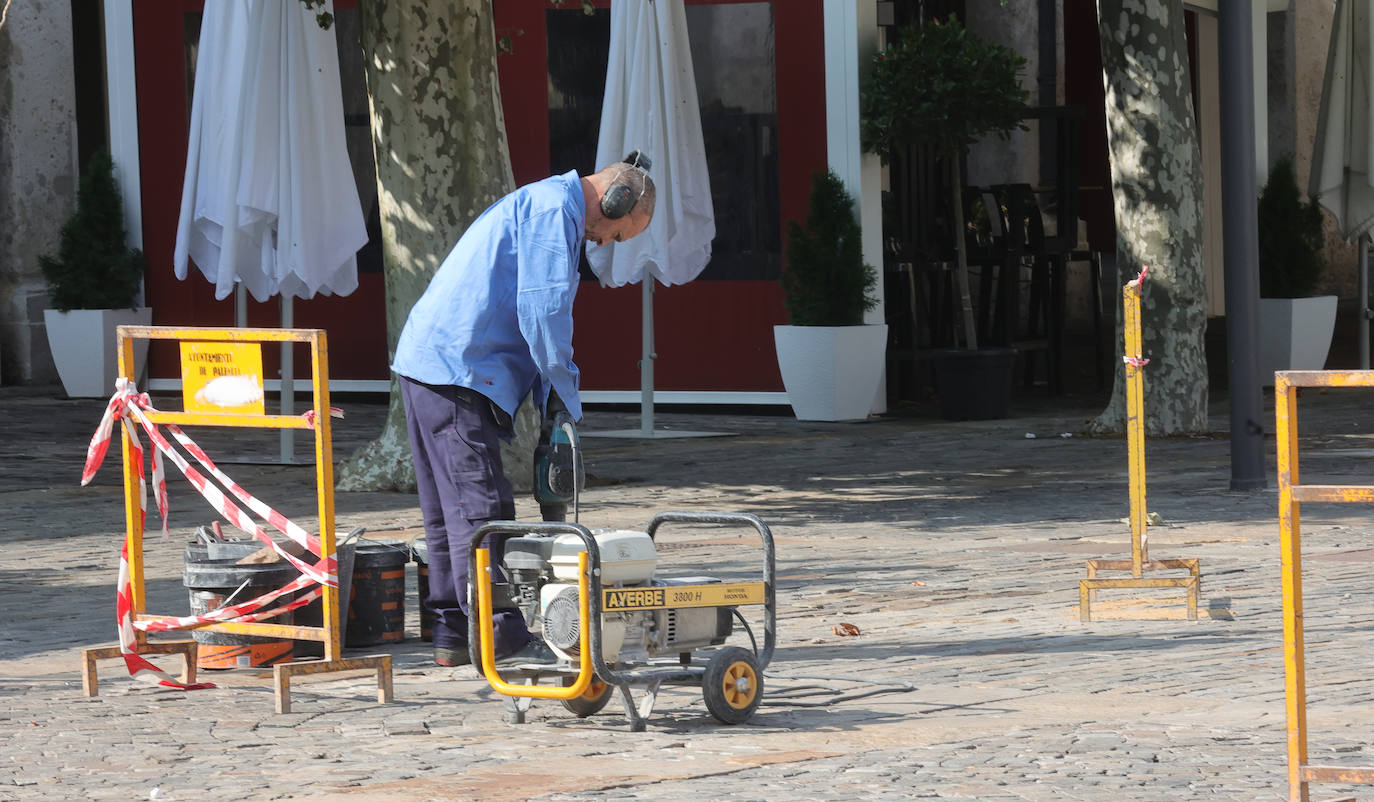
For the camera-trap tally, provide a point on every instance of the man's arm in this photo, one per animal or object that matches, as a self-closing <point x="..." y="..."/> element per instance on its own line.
<point x="544" y="303"/>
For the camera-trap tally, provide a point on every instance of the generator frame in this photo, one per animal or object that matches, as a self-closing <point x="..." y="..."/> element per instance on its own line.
<point x="652" y="674"/>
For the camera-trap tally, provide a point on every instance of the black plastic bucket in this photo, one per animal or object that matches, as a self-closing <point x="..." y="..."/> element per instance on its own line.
<point x="377" y="601"/>
<point x="312" y="614"/>
<point x="233" y="550"/>
<point x="420" y="551"/>
<point x="213" y="582"/>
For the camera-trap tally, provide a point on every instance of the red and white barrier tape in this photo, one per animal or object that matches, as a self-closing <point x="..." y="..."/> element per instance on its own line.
<point x="139" y="667"/>
<point x="278" y="521"/>
<point x="309" y="415"/>
<point x="127" y="406"/>
<point x="126" y="397"/>
<point x="323" y="572"/>
<point x="1139" y="280"/>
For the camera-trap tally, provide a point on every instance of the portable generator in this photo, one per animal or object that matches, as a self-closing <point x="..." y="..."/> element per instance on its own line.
<point x="599" y="601"/>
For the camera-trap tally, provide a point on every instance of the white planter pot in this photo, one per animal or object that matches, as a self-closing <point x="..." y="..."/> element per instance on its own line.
<point x="1295" y="334"/>
<point x="83" y="347"/>
<point x="831" y="373"/>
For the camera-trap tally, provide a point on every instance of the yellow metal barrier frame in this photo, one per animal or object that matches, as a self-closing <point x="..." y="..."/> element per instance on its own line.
<point x="488" y="648"/>
<point x="1291" y="496"/>
<point x="1135" y="446"/>
<point x="330" y="633"/>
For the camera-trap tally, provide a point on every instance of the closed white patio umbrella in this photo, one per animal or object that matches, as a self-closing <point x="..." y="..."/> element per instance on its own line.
<point x="651" y="106"/>
<point x="268" y="198"/>
<point x="1344" y="151"/>
<point x="268" y="203"/>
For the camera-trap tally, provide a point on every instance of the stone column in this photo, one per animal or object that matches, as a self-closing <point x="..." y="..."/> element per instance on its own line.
<point x="38" y="176"/>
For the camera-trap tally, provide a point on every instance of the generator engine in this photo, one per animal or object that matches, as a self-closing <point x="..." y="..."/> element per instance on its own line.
<point x="542" y="572"/>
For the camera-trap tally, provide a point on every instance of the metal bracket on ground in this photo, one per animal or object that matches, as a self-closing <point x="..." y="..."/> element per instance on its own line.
<point x="283" y="672"/>
<point x="89" y="656"/>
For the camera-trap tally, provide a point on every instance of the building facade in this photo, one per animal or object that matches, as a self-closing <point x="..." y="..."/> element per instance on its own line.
<point x="773" y="81"/>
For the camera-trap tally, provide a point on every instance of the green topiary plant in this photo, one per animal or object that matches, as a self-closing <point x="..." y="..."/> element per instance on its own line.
<point x="940" y="85"/>
<point x="94" y="268"/>
<point x="1290" y="237"/>
<point x="826" y="281"/>
<point x="943" y="86"/>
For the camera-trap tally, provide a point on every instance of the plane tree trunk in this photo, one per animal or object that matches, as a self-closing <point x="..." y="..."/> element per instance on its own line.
<point x="1157" y="194"/>
<point x="439" y="139"/>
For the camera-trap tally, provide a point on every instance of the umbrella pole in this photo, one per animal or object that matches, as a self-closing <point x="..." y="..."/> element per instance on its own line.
<point x="646" y="360"/>
<point x="240" y="306"/>
<point x="1364" y="301"/>
<point x="288" y="385"/>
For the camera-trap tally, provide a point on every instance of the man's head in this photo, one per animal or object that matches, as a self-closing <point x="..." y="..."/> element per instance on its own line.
<point x="624" y="195"/>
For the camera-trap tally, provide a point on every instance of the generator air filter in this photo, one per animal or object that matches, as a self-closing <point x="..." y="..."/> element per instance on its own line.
<point x="561" y="629"/>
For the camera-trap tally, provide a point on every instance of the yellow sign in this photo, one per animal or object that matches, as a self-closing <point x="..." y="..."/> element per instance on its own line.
<point x="661" y="597"/>
<point x="222" y="377"/>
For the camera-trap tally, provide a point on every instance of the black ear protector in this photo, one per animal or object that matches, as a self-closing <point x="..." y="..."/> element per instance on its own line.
<point x="620" y="199"/>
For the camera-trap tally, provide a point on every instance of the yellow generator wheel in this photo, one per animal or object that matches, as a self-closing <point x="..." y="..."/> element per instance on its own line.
<point x="732" y="686"/>
<point x="591" y="701"/>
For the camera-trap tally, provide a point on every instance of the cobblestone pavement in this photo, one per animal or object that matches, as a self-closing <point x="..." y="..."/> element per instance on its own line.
<point x="954" y="548"/>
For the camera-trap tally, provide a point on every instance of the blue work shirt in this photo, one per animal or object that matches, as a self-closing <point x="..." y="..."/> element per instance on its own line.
<point x="497" y="316"/>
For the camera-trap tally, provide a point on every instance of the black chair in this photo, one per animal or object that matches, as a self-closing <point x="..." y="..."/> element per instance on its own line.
<point x="1062" y="247"/>
<point x="1021" y="260"/>
<point x="918" y="250"/>
<point x="1009" y="248"/>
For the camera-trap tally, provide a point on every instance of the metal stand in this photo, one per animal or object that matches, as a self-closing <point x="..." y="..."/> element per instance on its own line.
<point x="283" y="672"/>
<point x="1291" y="495"/>
<point x="1135" y="440"/>
<point x="330" y="631"/>
<point x="287" y="385"/>
<point x="89" y="678"/>
<point x="646" y="430"/>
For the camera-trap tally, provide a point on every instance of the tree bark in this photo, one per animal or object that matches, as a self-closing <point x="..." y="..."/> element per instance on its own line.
<point x="439" y="139"/>
<point x="1156" y="189"/>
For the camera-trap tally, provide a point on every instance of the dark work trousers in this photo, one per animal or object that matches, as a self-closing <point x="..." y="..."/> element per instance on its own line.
<point x="455" y="439"/>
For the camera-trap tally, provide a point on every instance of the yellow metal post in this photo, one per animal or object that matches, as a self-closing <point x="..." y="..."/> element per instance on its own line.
<point x="1135" y="424"/>
<point x="1295" y="684"/>
<point x="133" y="544"/>
<point x="1135" y="455"/>
<point x="324" y="479"/>
<point x="133" y="500"/>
